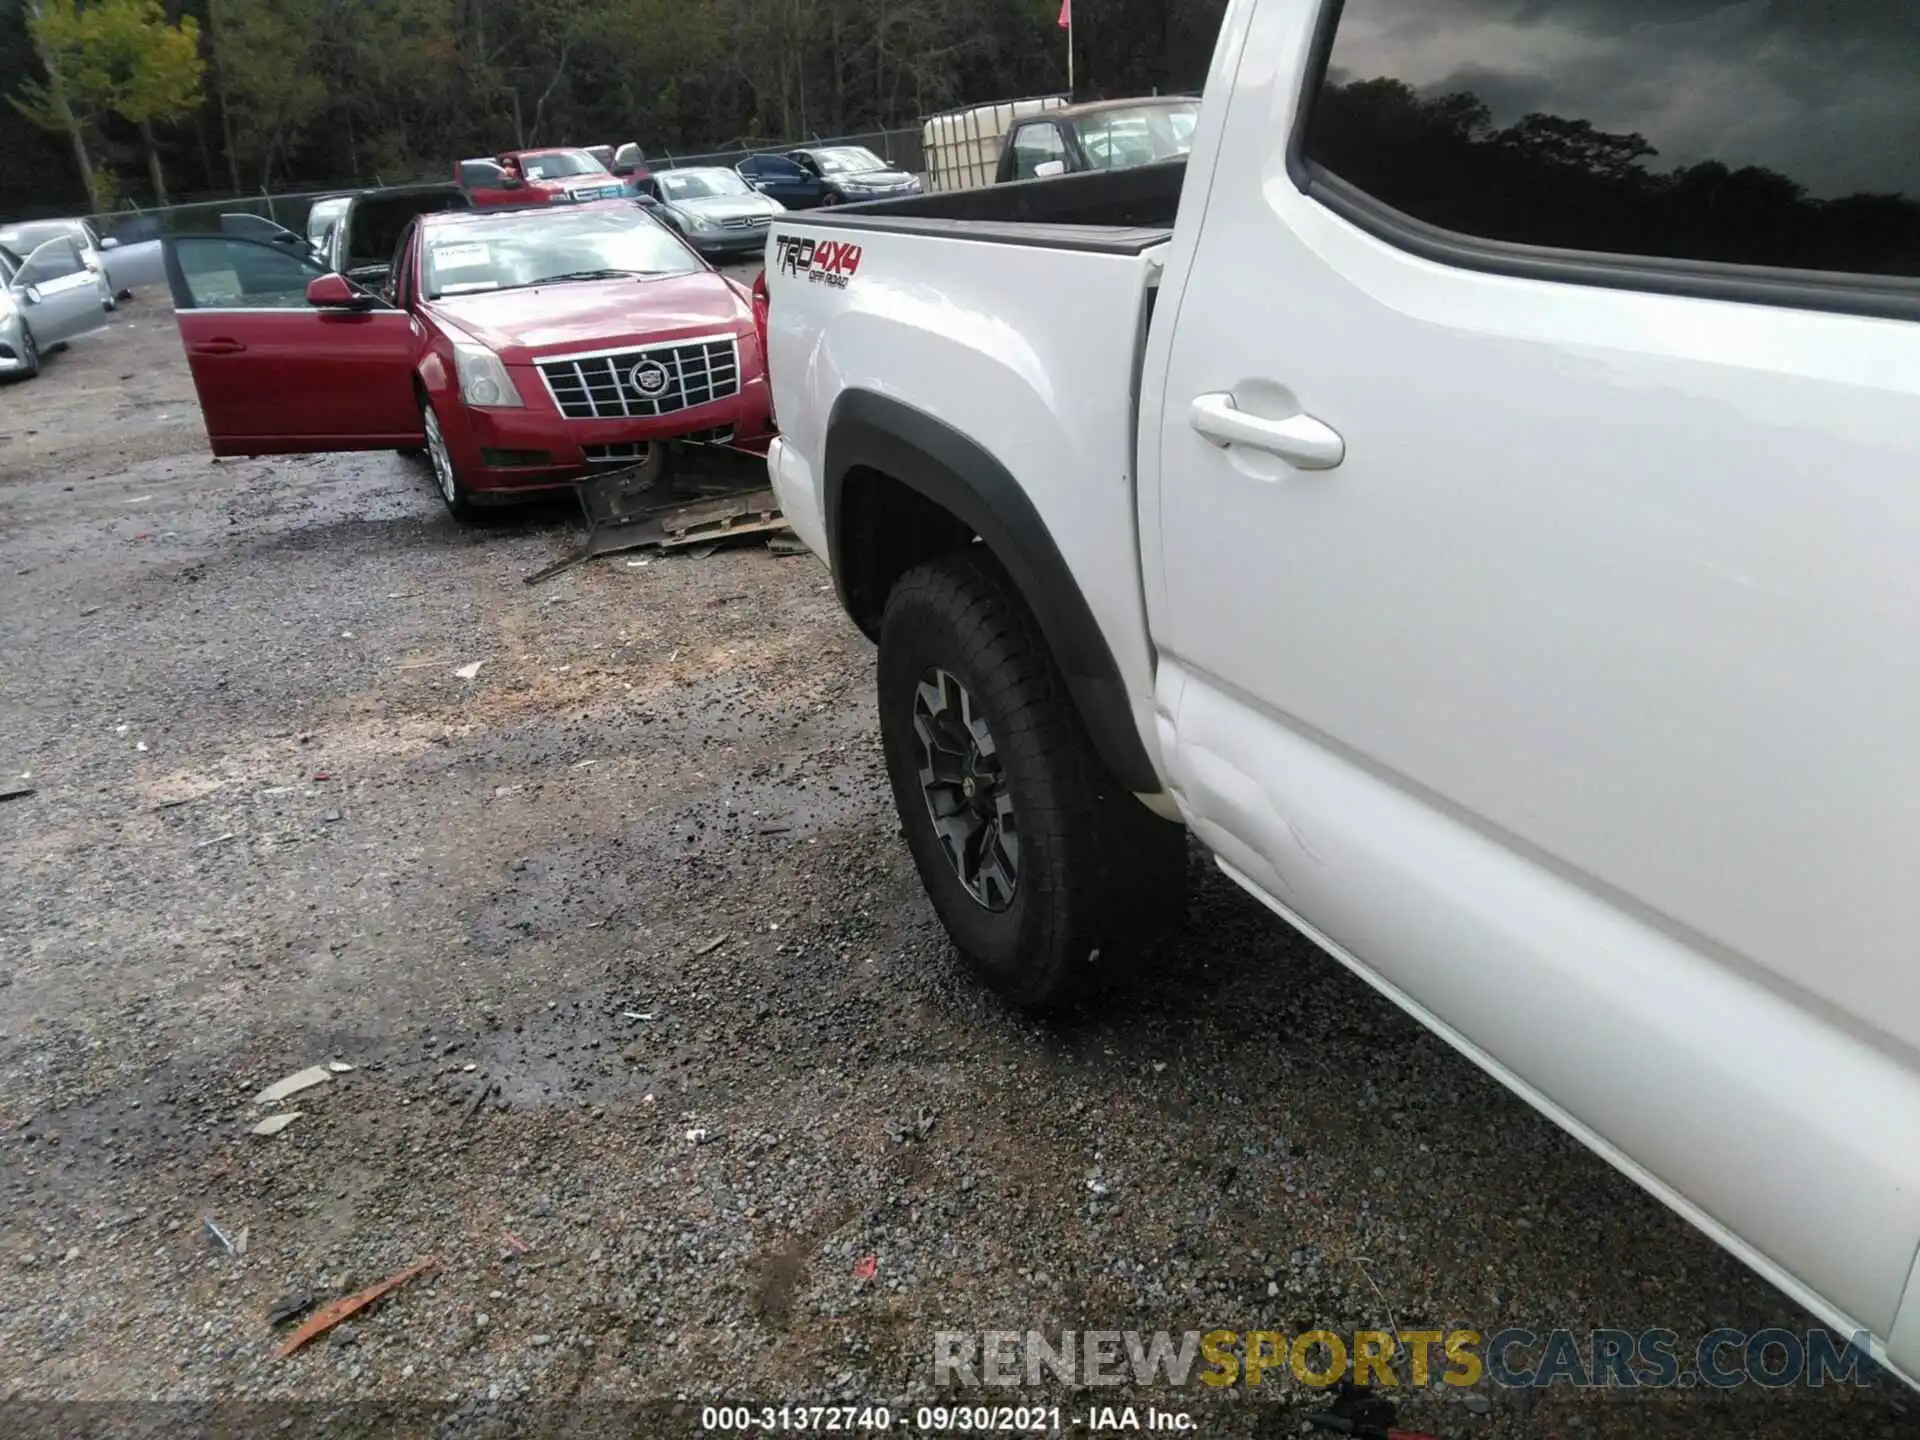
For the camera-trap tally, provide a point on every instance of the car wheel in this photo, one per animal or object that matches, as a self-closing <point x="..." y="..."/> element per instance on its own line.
<point x="29" y="354"/>
<point x="1047" y="874"/>
<point x="109" y="302"/>
<point x="831" y="197"/>
<point x="446" y="475"/>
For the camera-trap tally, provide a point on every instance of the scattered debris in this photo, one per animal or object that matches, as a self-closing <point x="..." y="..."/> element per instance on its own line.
<point x="699" y="1135"/>
<point x="334" y="1311"/>
<point x="713" y="945"/>
<point x="487" y="1087"/>
<point x="467" y="672"/>
<point x="624" y="512"/>
<point x="785" y="542"/>
<point x="164" y="804"/>
<point x="339" y="1067"/>
<point x="18" y="792"/>
<point x="216" y="840"/>
<point x="515" y="1243"/>
<point x="292" y="1085"/>
<point x="274" y="1124"/>
<point x="288" y="1306"/>
<point x="637" y="1014"/>
<point x="866" y="1267"/>
<point x="219" y="1234"/>
<point x="140" y="745"/>
<point x="638" y="564"/>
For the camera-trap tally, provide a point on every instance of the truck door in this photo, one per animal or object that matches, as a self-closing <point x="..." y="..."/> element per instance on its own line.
<point x="277" y="375"/>
<point x="1536" y="517"/>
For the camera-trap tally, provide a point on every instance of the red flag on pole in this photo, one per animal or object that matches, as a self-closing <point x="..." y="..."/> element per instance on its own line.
<point x="1066" y="14"/>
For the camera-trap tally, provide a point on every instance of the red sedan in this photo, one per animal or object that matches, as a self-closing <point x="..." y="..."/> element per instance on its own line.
<point x="522" y="350"/>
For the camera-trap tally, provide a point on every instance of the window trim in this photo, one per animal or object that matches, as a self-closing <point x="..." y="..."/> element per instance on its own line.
<point x="180" y="286"/>
<point x="1887" y="297"/>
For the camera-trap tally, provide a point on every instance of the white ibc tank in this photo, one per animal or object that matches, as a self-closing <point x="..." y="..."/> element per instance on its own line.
<point x="962" y="147"/>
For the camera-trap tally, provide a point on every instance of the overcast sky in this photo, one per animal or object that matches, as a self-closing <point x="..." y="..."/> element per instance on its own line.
<point x="1825" y="91"/>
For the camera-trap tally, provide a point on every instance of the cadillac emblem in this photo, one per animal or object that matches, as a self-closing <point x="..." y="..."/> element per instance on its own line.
<point x="648" y="379"/>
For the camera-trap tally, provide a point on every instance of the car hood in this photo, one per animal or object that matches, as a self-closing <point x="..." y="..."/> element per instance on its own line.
<point x="520" y="325"/>
<point x="872" y="179"/>
<point x="726" y="207"/>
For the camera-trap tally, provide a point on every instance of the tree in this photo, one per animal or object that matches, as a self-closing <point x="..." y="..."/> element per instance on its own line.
<point x="155" y="69"/>
<point x="266" y="55"/>
<point x="56" y="30"/>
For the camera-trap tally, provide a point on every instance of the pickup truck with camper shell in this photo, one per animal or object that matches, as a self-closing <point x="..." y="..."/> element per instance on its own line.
<point x="521" y="350"/>
<point x="1477" y="501"/>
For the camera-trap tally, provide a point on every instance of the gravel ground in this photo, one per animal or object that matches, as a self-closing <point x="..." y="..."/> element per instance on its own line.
<point x="655" y="1044"/>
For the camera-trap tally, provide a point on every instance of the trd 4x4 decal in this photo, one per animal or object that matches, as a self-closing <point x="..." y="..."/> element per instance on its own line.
<point x="826" y="262"/>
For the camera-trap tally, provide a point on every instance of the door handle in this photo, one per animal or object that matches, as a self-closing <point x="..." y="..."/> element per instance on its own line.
<point x="219" y="345"/>
<point x="1300" y="440"/>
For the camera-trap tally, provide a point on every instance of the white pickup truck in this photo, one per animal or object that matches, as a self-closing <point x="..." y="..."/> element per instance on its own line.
<point x="1478" y="496"/>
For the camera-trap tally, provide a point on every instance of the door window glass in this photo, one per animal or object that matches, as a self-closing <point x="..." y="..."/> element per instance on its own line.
<point x="55" y="260"/>
<point x="234" y="274"/>
<point x="1768" y="133"/>
<point x="1033" y="146"/>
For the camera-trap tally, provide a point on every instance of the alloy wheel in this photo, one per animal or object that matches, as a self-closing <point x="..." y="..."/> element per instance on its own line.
<point x="442" y="460"/>
<point x="966" y="790"/>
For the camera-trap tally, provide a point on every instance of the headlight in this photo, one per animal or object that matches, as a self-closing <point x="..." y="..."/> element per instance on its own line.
<point x="484" y="380"/>
<point x="696" y="222"/>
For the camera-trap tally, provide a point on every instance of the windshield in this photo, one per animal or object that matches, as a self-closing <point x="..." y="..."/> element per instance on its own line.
<point x="552" y="164"/>
<point x="848" y="160"/>
<point x="1136" y="134"/>
<point x="539" y="246"/>
<point x="700" y="184"/>
<point x="24" y="239"/>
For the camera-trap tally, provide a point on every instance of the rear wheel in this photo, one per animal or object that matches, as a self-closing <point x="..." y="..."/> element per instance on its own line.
<point x="1047" y="874"/>
<point x="446" y="475"/>
<point x="29" y="353"/>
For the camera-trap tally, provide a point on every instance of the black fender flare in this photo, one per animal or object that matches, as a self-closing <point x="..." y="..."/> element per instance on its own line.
<point x="928" y="456"/>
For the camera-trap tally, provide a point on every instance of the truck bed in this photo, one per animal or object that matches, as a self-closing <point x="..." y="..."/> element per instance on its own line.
<point x="1113" y="211"/>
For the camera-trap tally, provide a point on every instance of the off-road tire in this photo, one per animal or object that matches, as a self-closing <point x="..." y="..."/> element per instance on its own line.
<point x="1099" y="875"/>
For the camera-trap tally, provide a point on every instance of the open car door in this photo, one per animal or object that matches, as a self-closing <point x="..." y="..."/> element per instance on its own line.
<point x="271" y="232"/>
<point x="57" y="293"/>
<point x="278" y="373"/>
<point x="486" y="183"/>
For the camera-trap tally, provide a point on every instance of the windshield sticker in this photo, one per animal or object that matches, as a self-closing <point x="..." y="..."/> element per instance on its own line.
<point x="459" y="257"/>
<point x="823" y="262"/>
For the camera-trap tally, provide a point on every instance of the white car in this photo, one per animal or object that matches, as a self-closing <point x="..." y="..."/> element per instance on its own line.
<point x="46" y="299"/>
<point x="1480" y="502"/>
<point x="23" y="238"/>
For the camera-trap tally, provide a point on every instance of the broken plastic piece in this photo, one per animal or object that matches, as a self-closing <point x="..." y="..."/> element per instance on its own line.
<point x="334" y="1311"/>
<point x="292" y="1085"/>
<point x="274" y="1124"/>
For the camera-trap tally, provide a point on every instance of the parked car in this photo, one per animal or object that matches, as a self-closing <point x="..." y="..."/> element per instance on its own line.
<point x="851" y="173"/>
<point x="784" y="179"/>
<point x="561" y="175"/>
<point x="47" y="298"/>
<point x="1497" y="551"/>
<point x="521" y="349"/>
<point x="714" y="210"/>
<point x="1106" y="135"/>
<point x="22" y="238"/>
<point x="359" y="239"/>
<point x="627" y="162"/>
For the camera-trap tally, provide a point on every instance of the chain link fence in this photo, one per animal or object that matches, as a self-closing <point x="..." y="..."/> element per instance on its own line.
<point x="132" y="223"/>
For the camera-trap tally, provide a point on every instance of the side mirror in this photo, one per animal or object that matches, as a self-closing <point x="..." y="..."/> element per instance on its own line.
<point x="1047" y="169"/>
<point x="647" y="202"/>
<point x="110" y="243"/>
<point x="511" y="182"/>
<point x="336" y="292"/>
